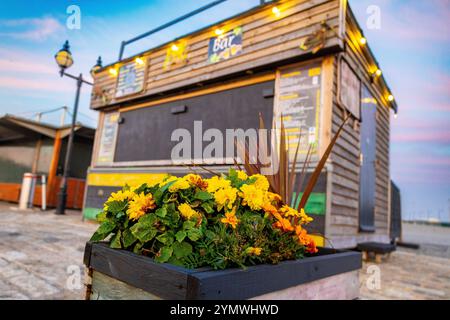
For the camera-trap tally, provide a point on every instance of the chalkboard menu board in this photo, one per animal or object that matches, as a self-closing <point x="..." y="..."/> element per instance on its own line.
<point x="108" y="138"/>
<point x="130" y="79"/>
<point x="298" y="104"/>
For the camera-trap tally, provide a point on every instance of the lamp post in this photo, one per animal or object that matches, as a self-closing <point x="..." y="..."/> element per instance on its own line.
<point x="64" y="60"/>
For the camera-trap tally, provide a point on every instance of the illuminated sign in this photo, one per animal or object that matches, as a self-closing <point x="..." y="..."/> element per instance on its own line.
<point x="225" y="46"/>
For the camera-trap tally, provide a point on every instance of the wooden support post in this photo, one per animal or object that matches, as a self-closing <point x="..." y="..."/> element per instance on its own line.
<point x="378" y="258"/>
<point x="364" y="256"/>
<point x="88" y="283"/>
<point x="51" y="189"/>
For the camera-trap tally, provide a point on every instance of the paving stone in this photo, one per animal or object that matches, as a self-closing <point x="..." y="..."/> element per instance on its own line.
<point x="39" y="252"/>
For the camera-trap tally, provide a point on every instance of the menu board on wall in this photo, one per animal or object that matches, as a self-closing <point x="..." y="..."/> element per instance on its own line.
<point x="350" y="90"/>
<point x="108" y="138"/>
<point x="130" y="79"/>
<point x="298" y="104"/>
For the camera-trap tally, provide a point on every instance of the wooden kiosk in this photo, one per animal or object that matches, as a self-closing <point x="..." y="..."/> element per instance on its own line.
<point x="305" y="59"/>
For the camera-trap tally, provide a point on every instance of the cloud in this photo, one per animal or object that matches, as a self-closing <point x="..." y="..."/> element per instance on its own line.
<point x="22" y="65"/>
<point x="34" y="84"/>
<point x="422" y="136"/>
<point x="35" y="29"/>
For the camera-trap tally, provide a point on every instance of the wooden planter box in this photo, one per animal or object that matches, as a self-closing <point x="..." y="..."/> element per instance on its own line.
<point x="119" y="274"/>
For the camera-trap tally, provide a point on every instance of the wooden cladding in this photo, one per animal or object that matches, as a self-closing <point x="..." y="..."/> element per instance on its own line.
<point x="266" y="39"/>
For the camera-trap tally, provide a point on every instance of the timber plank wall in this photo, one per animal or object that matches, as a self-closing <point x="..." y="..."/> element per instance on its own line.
<point x="344" y="216"/>
<point x="266" y="40"/>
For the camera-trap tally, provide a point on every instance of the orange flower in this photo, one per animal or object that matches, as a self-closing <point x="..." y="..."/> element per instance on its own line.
<point x="282" y="224"/>
<point x="270" y="209"/>
<point x="305" y="239"/>
<point x="197" y="181"/>
<point x="230" y="218"/>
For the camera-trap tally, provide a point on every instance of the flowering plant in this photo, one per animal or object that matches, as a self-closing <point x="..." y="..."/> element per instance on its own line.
<point x="224" y="221"/>
<point x="229" y="220"/>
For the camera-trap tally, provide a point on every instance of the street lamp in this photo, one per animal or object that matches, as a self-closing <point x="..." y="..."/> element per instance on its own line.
<point x="64" y="60"/>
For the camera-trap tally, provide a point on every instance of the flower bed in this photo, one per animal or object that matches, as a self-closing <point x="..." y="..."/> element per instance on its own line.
<point x="226" y="221"/>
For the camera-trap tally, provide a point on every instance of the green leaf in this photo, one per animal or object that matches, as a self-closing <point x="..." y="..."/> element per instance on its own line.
<point x="194" y="234"/>
<point x="182" y="249"/>
<point x="103" y="231"/>
<point x="203" y="195"/>
<point x="188" y="225"/>
<point x="164" y="254"/>
<point x="148" y="220"/>
<point x="138" y="248"/>
<point x="180" y="235"/>
<point x="116" y="207"/>
<point x="161" y="212"/>
<point x="128" y="238"/>
<point x="101" y="217"/>
<point x="210" y="235"/>
<point x="143" y="232"/>
<point x="115" y="241"/>
<point x="208" y="207"/>
<point x="166" y="238"/>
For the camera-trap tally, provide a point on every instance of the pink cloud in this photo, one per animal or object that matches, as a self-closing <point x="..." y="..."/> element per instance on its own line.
<point x="422" y="136"/>
<point x="20" y="65"/>
<point x="424" y="160"/>
<point x="34" y="84"/>
<point x="36" y="29"/>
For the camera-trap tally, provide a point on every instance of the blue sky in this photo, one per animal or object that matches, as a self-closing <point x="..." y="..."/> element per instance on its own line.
<point x="412" y="47"/>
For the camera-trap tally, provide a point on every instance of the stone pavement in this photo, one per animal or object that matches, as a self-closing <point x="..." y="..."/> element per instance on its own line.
<point x="41" y="254"/>
<point x="41" y="257"/>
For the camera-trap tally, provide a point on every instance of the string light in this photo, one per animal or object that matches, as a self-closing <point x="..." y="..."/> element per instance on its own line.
<point x="363" y="41"/>
<point x="139" y="61"/>
<point x="276" y="12"/>
<point x="174" y="47"/>
<point x="395" y="115"/>
<point x="112" y="71"/>
<point x="390" y="98"/>
<point x="218" y="32"/>
<point x="378" y="72"/>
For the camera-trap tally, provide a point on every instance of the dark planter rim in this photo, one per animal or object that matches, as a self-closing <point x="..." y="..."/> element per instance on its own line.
<point x="176" y="283"/>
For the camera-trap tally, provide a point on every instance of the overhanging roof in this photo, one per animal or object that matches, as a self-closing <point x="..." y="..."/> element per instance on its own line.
<point x="13" y="128"/>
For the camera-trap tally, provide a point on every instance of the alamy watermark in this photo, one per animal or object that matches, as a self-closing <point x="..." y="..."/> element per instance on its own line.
<point x="214" y="147"/>
<point x="73" y="21"/>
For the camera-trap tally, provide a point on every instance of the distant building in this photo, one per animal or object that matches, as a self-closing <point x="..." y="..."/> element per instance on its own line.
<point x="30" y="146"/>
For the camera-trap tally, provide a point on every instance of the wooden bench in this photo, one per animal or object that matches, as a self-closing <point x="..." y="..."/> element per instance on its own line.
<point x="375" y="248"/>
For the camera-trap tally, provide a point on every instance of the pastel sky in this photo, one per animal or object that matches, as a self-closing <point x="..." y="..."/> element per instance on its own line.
<point x="412" y="47"/>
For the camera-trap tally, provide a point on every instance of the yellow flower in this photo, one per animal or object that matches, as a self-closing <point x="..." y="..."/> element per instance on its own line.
<point x="230" y="218"/>
<point x="140" y="205"/>
<point x="242" y="175"/>
<point x="289" y="212"/>
<point x="272" y="197"/>
<point x="121" y="195"/>
<point x="252" y="196"/>
<point x="261" y="182"/>
<point x="187" y="212"/>
<point x="253" y="251"/>
<point x="304" y="218"/>
<point x="216" y="183"/>
<point x="167" y="180"/>
<point x="180" y="184"/>
<point x="225" y="197"/>
<point x="162" y="181"/>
